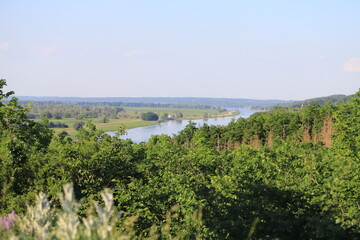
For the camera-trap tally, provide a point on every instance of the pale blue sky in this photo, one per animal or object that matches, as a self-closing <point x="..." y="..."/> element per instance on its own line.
<point x="238" y="49"/>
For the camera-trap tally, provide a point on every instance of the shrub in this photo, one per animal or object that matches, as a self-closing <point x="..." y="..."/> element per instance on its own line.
<point x="78" y="125"/>
<point x="149" y="116"/>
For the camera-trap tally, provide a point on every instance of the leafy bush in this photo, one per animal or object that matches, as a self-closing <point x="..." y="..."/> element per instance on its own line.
<point x="78" y="125"/>
<point x="57" y="125"/>
<point x="149" y="116"/>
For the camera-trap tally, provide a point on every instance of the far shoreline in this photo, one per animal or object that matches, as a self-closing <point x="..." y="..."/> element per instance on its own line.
<point x="114" y="124"/>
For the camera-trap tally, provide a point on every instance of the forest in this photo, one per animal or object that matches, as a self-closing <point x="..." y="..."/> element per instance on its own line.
<point x="287" y="173"/>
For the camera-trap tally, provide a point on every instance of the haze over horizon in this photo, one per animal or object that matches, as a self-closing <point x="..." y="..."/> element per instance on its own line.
<point x="291" y="50"/>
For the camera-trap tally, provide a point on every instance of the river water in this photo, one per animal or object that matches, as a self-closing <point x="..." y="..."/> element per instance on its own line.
<point x="142" y="134"/>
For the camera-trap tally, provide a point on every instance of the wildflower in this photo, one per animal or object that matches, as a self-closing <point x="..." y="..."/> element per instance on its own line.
<point x="7" y="222"/>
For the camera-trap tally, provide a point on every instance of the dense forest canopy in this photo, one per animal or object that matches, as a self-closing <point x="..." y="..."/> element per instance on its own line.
<point x="284" y="173"/>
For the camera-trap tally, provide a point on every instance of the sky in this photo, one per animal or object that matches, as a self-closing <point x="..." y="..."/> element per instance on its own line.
<point x="260" y="49"/>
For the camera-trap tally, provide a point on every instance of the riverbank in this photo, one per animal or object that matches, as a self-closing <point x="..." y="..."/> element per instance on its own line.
<point x="142" y="134"/>
<point x="130" y="123"/>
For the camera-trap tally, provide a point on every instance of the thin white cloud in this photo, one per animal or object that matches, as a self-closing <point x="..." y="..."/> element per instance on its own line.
<point x="133" y="53"/>
<point x="136" y="52"/>
<point x="48" y="50"/>
<point x="353" y="65"/>
<point x="4" y="46"/>
<point x="85" y="51"/>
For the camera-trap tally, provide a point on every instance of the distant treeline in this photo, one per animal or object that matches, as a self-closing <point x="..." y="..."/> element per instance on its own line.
<point x="60" y="111"/>
<point x="122" y="104"/>
<point x="173" y="102"/>
<point x="82" y="110"/>
<point x="332" y="100"/>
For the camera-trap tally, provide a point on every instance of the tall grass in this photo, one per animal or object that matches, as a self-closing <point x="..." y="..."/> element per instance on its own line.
<point x="42" y="221"/>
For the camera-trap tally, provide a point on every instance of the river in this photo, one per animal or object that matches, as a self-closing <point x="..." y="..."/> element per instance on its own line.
<point x="142" y="134"/>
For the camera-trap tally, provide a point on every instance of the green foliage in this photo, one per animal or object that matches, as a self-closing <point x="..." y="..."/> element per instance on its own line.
<point x="345" y="182"/>
<point x="21" y="141"/>
<point x="149" y="116"/>
<point x="321" y="101"/>
<point x="78" y="125"/>
<point x="266" y="177"/>
<point x="104" y="120"/>
<point x="57" y="125"/>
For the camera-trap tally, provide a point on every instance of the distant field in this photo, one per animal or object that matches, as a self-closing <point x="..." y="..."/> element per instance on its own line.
<point x="131" y="118"/>
<point x="112" y="125"/>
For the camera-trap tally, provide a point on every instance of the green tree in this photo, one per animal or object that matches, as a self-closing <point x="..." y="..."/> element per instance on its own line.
<point x="78" y="125"/>
<point x="345" y="181"/>
<point x="21" y="140"/>
<point x="104" y="120"/>
<point x="149" y="116"/>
